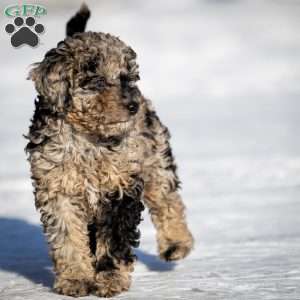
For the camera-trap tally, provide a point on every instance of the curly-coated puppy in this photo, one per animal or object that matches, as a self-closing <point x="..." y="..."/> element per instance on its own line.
<point x="98" y="151"/>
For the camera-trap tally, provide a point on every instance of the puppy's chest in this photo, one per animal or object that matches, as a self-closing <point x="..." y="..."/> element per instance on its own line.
<point x="108" y="170"/>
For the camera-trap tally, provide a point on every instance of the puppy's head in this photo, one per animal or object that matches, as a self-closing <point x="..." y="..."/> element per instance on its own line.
<point x="90" y="80"/>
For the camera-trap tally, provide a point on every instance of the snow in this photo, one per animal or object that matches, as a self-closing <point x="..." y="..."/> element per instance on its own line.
<point x="224" y="76"/>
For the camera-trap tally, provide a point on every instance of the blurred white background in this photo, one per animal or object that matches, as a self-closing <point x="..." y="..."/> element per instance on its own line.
<point x="224" y="77"/>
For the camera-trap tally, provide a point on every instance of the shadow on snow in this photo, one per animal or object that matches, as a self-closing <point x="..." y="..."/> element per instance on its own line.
<point x="24" y="251"/>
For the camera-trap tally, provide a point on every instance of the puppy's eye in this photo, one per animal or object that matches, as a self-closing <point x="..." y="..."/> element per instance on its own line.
<point x="90" y="66"/>
<point x="96" y="83"/>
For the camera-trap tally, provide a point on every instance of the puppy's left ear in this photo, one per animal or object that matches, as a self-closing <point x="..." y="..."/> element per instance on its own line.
<point x="52" y="78"/>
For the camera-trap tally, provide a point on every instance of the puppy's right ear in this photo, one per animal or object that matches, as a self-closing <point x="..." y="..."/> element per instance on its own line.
<point x="52" y="77"/>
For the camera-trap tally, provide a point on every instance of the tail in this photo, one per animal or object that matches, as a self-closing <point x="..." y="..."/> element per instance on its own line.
<point x="78" y="22"/>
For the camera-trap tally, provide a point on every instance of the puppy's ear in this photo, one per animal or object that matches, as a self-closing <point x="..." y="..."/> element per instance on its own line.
<point x="52" y="78"/>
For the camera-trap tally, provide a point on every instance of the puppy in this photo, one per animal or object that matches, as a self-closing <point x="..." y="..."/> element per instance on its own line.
<point x="98" y="153"/>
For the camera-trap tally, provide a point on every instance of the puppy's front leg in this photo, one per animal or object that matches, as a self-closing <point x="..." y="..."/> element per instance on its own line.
<point x="64" y="219"/>
<point x="165" y="205"/>
<point x="117" y="234"/>
<point x="112" y="274"/>
<point x="167" y="213"/>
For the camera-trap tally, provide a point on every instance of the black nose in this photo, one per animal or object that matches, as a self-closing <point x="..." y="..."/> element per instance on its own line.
<point x="133" y="107"/>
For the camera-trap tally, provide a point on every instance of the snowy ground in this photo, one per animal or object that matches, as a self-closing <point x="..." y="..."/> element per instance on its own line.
<point x="224" y="76"/>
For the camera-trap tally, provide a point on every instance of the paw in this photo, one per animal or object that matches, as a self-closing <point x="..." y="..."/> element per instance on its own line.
<point x="24" y="34"/>
<point x="73" y="287"/>
<point x="175" y="251"/>
<point x="111" y="283"/>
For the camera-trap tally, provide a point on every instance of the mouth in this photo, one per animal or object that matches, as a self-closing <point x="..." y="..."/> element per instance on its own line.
<point x="112" y="134"/>
<point x="114" y="130"/>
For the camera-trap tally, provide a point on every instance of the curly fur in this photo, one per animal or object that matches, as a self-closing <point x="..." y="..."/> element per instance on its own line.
<point x="98" y="153"/>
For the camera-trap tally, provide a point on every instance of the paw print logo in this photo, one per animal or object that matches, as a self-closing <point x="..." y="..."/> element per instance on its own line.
<point x="24" y="34"/>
